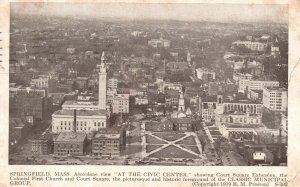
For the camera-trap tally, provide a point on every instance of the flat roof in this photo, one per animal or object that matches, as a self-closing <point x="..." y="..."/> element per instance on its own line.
<point x="242" y="101"/>
<point x="121" y="96"/>
<point x="81" y="112"/>
<point x="181" y="120"/>
<point x="257" y="91"/>
<point x="71" y="137"/>
<point x="81" y="102"/>
<point x="107" y="136"/>
<point x="276" y="88"/>
<point x="16" y="122"/>
<point x="242" y="126"/>
<point x="238" y="113"/>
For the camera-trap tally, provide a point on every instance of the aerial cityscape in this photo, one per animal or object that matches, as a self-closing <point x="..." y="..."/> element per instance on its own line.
<point x="88" y="90"/>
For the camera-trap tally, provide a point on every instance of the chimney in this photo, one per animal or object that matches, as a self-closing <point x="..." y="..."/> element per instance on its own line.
<point x="74" y="122"/>
<point x="279" y="149"/>
<point x="280" y="136"/>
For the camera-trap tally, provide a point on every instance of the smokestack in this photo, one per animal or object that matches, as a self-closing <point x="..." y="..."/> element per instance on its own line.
<point x="74" y="122"/>
<point x="280" y="136"/>
<point x="279" y="150"/>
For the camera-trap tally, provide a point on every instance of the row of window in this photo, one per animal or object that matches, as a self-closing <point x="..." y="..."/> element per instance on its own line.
<point x="238" y="120"/>
<point x="278" y="102"/>
<point x="104" y="147"/>
<point x="103" y="142"/>
<point x="65" y="145"/>
<point x="276" y="98"/>
<point x="95" y="124"/>
<point x="70" y="150"/>
<point x="69" y="128"/>
<point x="80" y="123"/>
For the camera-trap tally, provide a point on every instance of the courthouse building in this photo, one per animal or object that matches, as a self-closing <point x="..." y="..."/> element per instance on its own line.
<point x="86" y="120"/>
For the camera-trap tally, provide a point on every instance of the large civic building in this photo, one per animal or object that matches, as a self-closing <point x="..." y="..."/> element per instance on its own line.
<point x="254" y="46"/>
<point x="90" y="116"/>
<point x="210" y="107"/>
<point x="86" y="120"/>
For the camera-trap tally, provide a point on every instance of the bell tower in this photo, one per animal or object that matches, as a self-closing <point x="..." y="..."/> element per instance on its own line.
<point x="102" y="84"/>
<point x="181" y="105"/>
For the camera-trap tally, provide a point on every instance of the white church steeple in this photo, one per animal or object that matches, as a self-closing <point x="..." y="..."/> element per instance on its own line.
<point x="181" y="105"/>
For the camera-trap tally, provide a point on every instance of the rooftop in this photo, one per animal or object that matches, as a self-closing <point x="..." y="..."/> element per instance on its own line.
<point x="16" y="122"/>
<point x="182" y="120"/>
<point x="242" y="126"/>
<point x="238" y="113"/>
<point x="71" y="137"/>
<point x="107" y="136"/>
<point x="81" y="112"/>
<point x="121" y="96"/>
<point x="245" y="101"/>
<point x="81" y="102"/>
<point x="209" y="99"/>
<point x="257" y="91"/>
<point x="205" y="70"/>
<point x="276" y="88"/>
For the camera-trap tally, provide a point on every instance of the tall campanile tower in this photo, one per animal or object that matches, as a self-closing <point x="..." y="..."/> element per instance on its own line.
<point x="102" y="85"/>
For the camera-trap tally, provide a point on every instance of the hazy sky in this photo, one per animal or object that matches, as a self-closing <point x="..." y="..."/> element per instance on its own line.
<point x="193" y="12"/>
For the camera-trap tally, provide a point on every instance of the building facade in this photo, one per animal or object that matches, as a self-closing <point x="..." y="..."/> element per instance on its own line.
<point x="141" y="101"/>
<point x="41" y="146"/>
<point x="29" y="104"/>
<point x="80" y="105"/>
<point x="239" y="118"/>
<point x="216" y="106"/>
<point x="254" y="46"/>
<point x="109" y="142"/>
<point x="246" y="84"/>
<point x="86" y="120"/>
<point x="177" y="124"/>
<point x="113" y="83"/>
<point x="120" y="103"/>
<point x="70" y="143"/>
<point x="275" y="98"/>
<point x="205" y="74"/>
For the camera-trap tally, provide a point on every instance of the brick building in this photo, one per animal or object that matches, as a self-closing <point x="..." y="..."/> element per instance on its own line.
<point x="70" y="143"/>
<point x="109" y="142"/>
<point x="41" y="146"/>
<point x="177" y="124"/>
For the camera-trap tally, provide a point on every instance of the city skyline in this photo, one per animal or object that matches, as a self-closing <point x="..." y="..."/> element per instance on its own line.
<point x="161" y="11"/>
<point x="161" y="93"/>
